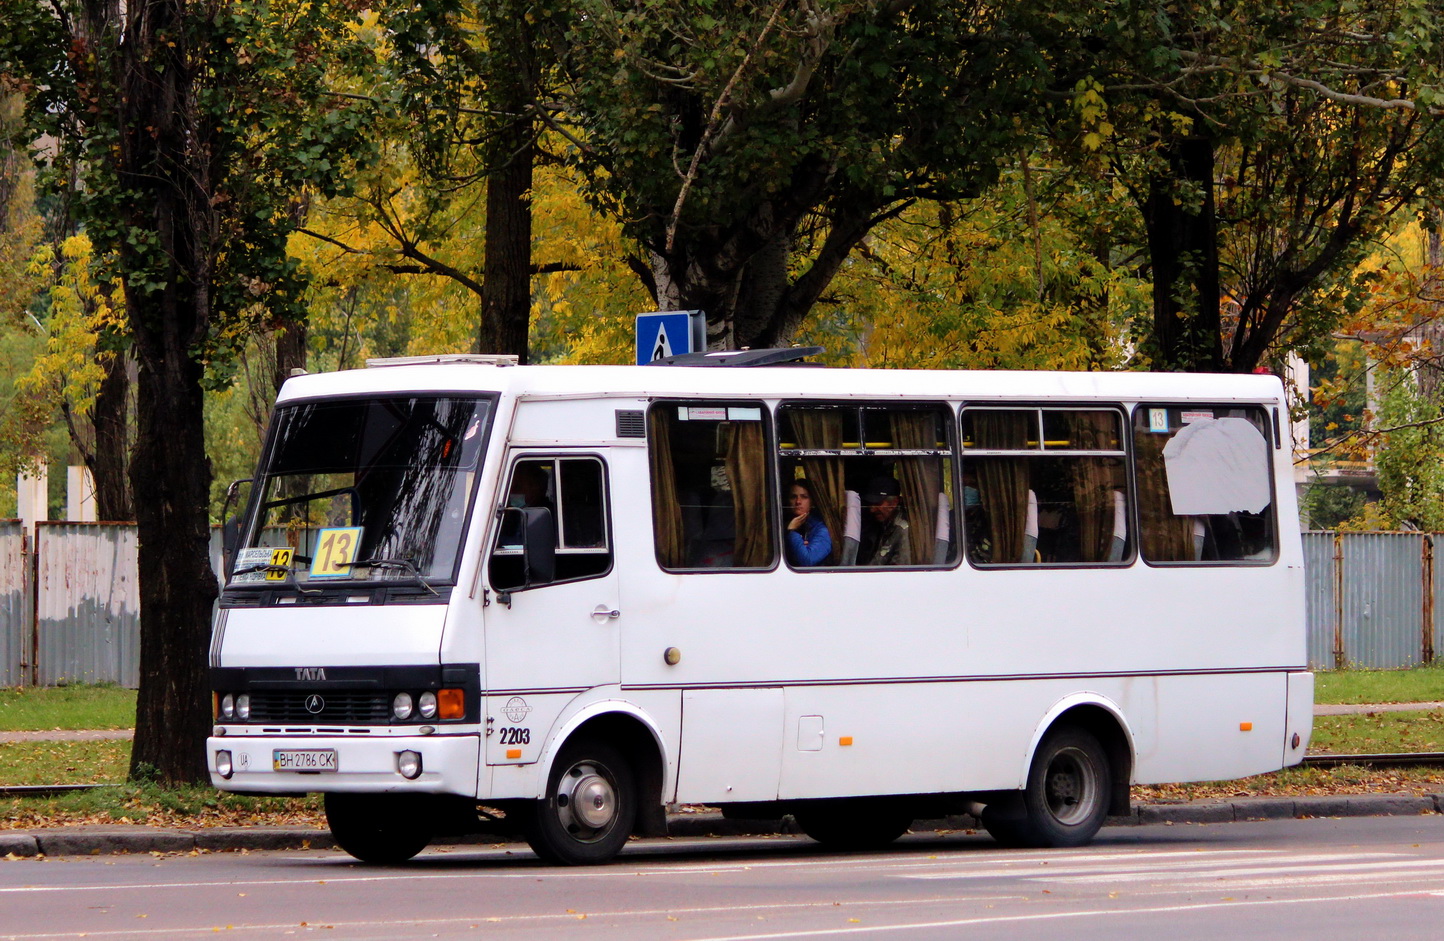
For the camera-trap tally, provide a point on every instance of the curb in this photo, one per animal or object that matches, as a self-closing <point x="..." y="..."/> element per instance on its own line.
<point x="100" y="840"/>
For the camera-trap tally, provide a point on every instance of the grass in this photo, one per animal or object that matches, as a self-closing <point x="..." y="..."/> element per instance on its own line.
<point x="122" y="802"/>
<point x="37" y="708"/>
<point x="1421" y="684"/>
<point x="63" y="762"/>
<point x="1378" y="733"/>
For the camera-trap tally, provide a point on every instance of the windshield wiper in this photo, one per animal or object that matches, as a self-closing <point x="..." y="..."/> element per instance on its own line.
<point x="406" y="565"/>
<point x="269" y="567"/>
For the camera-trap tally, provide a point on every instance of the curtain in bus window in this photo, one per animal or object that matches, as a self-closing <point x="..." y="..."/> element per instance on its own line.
<point x="666" y="508"/>
<point x="747" y="472"/>
<point x="1003" y="481"/>
<point x="919" y="478"/>
<point x="1094" y="482"/>
<point x="817" y="429"/>
<point x="1165" y="537"/>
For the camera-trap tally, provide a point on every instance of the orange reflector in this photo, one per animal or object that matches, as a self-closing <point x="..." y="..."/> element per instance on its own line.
<point x="513" y="753"/>
<point x="1245" y="726"/>
<point x="450" y="704"/>
<point x="845" y="740"/>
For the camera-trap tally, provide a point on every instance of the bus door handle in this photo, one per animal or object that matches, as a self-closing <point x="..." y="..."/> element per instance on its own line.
<point x="603" y="613"/>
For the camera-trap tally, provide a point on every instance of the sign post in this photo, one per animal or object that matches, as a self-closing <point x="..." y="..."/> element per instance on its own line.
<point x="670" y="333"/>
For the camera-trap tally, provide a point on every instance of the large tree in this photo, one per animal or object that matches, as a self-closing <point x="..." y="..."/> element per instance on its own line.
<point x="748" y="148"/>
<point x="1267" y="148"/>
<point x="190" y="129"/>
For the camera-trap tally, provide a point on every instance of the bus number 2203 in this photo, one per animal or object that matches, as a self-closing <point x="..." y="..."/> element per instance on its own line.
<point x="511" y="736"/>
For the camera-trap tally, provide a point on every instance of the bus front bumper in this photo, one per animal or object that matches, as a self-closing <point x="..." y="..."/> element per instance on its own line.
<point x="282" y="764"/>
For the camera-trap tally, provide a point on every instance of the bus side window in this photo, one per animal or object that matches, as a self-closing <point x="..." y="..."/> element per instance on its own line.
<point x="1205" y="487"/>
<point x="1045" y="485"/>
<point x="711" y="497"/>
<point x="574" y="490"/>
<point x="894" y="461"/>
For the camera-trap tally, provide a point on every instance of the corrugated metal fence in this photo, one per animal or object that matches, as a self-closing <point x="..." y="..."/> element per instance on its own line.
<point x="16" y="596"/>
<point x="1372" y="599"/>
<point x="70" y="608"/>
<point x="87" y="604"/>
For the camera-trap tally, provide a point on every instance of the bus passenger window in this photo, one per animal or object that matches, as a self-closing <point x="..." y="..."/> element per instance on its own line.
<point x="1045" y="485"/>
<point x="711" y="503"/>
<point x="574" y="489"/>
<point x="881" y="478"/>
<point x="1205" y="491"/>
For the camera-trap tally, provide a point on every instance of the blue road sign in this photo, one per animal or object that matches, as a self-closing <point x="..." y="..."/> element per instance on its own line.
<point x="669" y="333"/>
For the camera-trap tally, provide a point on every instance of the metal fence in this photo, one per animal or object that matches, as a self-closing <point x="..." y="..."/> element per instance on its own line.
<point x="1372" y="599"/>
<point x="16" y="595"/>
<point x="70" y="604"/>
<point x="87" y="604"/>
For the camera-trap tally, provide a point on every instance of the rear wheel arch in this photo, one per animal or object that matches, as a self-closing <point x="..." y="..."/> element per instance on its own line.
<point x="1106" y="723"/>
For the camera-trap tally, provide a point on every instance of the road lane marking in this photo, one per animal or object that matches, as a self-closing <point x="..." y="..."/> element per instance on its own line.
<point x="532" y="917"/>
<point x="1051" y="916"/>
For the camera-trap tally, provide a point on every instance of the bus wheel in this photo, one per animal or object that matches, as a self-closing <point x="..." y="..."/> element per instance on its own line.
<point x="377" y="829"/>
<point x="853" y="825"/>
<point x="1066" y="799"/>
<point x="589" y="808"/>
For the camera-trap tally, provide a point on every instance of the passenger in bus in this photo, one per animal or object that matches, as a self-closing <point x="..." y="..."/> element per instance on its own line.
<point x="886" y="540"/>
<point x="808" y="541"/>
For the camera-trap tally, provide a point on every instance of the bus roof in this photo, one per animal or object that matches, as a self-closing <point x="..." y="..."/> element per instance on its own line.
<point x="780" y="382"/>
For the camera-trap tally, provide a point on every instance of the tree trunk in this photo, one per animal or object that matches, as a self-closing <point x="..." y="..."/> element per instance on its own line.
<point x="1183" y="249"/>
<point x="109" y="461"/>
<point x="290" y="352"/>
<point x="171" y="480"/>
<point x="506" y="273"/>
<point x="163" y="159"/>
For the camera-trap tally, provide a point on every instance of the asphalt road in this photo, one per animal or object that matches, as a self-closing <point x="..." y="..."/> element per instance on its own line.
<point x="1314" y="879"/>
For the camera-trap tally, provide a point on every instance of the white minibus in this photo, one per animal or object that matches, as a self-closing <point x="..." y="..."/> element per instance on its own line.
<point x="568" y="597"/>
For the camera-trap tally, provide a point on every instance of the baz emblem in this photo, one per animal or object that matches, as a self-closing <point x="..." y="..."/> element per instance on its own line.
<point x="314" y="704"/>
<point x="516" y="709"/>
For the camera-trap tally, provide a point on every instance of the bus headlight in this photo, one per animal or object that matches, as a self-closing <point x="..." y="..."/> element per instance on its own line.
<point x="408" y="764"/>
<point x="401" y="706"/>
<point x="228" y="706"/>
<point x="243" y="706"/>
<point x="223" y="763"/>
<point x="426" y="705"/>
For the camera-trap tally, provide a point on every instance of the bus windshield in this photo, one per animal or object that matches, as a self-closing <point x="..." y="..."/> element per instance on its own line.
<point x="374" y="489"/>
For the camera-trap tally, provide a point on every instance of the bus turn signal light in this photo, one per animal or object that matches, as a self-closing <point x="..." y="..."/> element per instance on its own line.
<point x="1245" y="726"/>
<point x="451" y="704"/>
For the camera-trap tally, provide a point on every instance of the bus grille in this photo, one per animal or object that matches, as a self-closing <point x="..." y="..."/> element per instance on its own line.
<point x="372" y="708"/>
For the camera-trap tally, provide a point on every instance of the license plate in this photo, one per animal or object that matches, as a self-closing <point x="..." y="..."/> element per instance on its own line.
<point x="303" y="759"/>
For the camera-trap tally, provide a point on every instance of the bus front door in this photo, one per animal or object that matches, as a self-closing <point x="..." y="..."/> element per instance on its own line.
<point x="545" y="643"/>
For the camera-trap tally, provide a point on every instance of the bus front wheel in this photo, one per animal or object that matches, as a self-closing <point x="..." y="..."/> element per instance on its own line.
<point x="1066" y="799"/>
<point x="589" y="807"/>
<point x="378" y="829"/>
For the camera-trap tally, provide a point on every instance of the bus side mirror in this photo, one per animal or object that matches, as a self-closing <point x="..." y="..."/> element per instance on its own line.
<point x="231" y="525"/>
<point x="538" y="538"/>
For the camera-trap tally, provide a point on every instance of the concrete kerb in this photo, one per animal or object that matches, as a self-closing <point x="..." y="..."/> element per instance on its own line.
<point x="100" y="840"/>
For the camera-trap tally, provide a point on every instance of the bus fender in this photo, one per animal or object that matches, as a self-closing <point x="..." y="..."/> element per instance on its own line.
<point x="583" y="710"/>
<point x="1073" y="701"/>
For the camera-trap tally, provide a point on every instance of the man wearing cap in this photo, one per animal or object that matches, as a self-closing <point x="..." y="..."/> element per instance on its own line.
<point x="886" y="541"/>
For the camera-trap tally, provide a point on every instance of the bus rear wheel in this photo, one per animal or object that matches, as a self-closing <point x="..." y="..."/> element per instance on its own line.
<point x="589" y="808"/>
<point x="378" y="829"/>
<point x="853" y="824"/>
<point x="1066" y="799"/>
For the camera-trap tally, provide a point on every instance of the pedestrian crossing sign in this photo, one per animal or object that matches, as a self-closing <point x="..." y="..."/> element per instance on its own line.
<point x="670" y="333"/>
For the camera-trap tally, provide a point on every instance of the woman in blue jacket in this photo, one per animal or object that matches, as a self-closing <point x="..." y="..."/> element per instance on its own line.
<point x="808" y="541"/>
